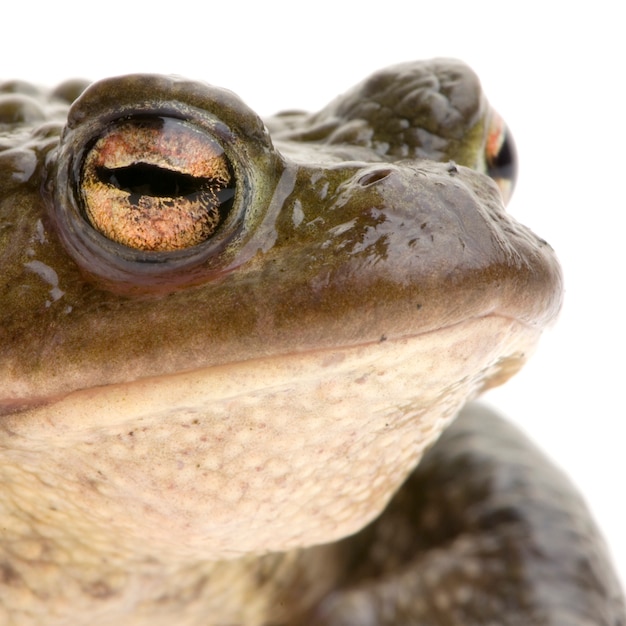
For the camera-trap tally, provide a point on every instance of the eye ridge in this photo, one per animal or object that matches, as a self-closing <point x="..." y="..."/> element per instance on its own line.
<point x="146" y="179"/>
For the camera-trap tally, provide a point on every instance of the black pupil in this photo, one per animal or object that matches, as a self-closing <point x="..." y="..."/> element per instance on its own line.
<point x="150" y="180"/>
<point x="504" y="164"/>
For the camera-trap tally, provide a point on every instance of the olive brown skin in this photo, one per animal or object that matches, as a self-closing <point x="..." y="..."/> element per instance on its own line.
<point x="227" y="345"/>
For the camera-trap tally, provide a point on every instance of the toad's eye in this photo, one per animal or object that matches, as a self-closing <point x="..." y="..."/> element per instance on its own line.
<point x="156" y="184"/>
<point x="501" y="156"/>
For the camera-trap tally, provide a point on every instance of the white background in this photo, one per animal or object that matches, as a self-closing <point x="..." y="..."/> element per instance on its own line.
<point x="555" y="71"/>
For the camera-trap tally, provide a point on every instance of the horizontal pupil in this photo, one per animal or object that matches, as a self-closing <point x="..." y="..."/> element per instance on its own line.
<point x="150" y="180"/>
<point x="503" y="165"/>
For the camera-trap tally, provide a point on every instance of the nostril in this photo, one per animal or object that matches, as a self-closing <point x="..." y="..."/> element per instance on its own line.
<point x="374" y="176"/>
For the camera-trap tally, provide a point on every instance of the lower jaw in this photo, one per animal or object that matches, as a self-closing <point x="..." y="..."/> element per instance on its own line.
<point x="263" y="455"/>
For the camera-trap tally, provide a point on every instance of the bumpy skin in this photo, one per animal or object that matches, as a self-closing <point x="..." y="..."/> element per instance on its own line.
<point x="226" y="432"/>
<point x="485" y="531"/>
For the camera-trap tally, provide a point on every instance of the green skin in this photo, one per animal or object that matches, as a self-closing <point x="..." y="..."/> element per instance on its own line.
<point x="367" y="224"/>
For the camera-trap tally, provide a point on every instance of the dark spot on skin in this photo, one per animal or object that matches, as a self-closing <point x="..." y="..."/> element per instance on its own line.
<point x="383" y="338"/>
<point x="501" y="516"/>
<point x="452" y="168"/>
<point x="99" y="589"/>
<point x="8" y="575"/>
<point x="418" y="306"/>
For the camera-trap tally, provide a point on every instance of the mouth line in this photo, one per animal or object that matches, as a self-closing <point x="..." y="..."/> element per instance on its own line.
<point x="323" y="357"/>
